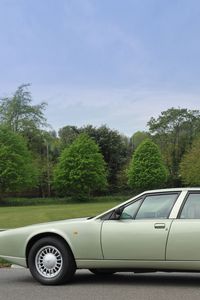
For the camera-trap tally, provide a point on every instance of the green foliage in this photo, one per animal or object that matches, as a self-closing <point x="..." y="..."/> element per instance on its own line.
<point x="138" y="137"/>
<point x="18" y="114"/>
<point x="45" y="150"/>
<point x="190" y="165"/>
<point x="114" y="146"/>
<point x="67" y="135"/>
<point x="147" y="169"/>
<point x="4" y="263"/>
<point x="174" y="130"/>
<point x="17" y="171"/>
<point x="81" y="168"/>
<point x="122" y="179"/>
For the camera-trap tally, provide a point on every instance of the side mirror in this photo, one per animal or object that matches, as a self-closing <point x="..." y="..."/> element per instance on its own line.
<point x="118" y="211"/>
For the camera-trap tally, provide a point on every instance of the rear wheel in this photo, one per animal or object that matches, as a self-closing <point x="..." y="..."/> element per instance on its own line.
<point x="51" y="261"/>
<point x="102" y="272"/>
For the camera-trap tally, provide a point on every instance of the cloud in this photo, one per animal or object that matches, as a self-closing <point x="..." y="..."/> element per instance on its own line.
<point x="126" y="109"/>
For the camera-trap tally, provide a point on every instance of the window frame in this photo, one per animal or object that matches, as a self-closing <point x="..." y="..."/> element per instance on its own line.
<point x="191" y="192"/>
<point x="109" y="215"/>
<point x="159" y="194"/>
<point x="138" y="199"/>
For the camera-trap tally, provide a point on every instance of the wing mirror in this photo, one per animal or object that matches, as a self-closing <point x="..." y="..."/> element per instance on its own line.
<point x="118" y="211"/>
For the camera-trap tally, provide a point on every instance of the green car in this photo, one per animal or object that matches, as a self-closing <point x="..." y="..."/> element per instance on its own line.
<point x="157" y="230"/>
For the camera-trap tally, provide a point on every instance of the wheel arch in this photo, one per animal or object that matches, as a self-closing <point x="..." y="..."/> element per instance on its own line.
<point x="39" y="236"/>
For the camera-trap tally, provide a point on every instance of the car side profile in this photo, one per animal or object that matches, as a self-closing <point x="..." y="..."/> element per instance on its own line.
<point x="157" y="230"/>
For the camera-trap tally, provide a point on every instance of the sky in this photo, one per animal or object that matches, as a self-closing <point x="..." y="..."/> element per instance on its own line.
<point x="102" y="61"/>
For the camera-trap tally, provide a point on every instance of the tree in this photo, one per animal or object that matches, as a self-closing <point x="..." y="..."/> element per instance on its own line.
<point x="45" y="151"/>
<point x="67" y="135"/>
<point x="81" y="169"/>
<point x="17" y="171"/>
<point x="114" y="146"/>
<point x="18" y="114"/>
<point x="147" y="169"/>
<point x="174" y="130"/>
<point x="190" y="165"/>
<point x="138" y="137"/>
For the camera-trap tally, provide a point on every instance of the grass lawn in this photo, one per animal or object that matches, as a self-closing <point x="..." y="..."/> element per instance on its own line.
<point x="11" y="217"/>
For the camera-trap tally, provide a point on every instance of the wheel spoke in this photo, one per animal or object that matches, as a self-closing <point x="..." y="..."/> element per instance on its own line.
<point x="48" y="261"/>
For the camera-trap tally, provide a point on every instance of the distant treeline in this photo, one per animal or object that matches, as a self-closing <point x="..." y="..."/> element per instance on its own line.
<point x="88" y="160"/>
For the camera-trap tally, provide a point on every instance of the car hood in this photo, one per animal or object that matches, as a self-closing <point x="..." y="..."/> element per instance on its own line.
<point x="61" y="221"/>
<point x="66" y="221"/>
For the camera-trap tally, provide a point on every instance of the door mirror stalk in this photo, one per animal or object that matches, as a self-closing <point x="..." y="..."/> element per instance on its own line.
<point x="118" y="211"/>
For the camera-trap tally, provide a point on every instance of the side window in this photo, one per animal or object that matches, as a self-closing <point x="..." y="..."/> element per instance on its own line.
<point x="191" y="209"/>
<point x="130" y="210"/>
<point x="157" y="206"/>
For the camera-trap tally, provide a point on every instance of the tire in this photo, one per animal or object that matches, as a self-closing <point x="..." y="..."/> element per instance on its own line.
<point x="51" y="262"/>
<point x="102" y="272"/>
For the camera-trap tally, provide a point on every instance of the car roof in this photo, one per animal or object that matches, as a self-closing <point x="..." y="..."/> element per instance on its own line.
<point x="174" y="189"/>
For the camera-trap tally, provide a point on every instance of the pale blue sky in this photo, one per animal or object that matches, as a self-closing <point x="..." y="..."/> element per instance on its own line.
<point x="102" y="61"/>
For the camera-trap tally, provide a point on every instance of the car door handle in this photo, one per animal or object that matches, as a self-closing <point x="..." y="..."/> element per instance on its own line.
<point x="159" y="225"/>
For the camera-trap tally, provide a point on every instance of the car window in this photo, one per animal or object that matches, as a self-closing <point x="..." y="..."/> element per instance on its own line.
<point x="191" y="209"/>
<point x="130" y="210"/>
<point x="157" y="206"/>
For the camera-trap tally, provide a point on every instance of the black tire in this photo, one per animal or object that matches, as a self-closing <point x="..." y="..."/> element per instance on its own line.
<point x="51" y="262"/>
<point x="102" y="272"/>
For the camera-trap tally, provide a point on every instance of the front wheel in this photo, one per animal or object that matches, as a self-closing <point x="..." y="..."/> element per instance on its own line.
<point x="51" y="261"/>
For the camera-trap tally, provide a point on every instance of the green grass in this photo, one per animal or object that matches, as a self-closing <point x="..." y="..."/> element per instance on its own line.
<point x="4" y="263"/>
<point x="11" y="217"/>
<point x="16" y="201"/>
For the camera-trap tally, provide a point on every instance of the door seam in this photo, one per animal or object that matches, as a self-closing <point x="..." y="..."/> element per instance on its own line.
<point x="167" y="239"/>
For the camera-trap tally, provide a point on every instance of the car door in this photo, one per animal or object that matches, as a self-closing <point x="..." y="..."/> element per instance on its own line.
<point x="184" y="238"/>
<point x="142" y="230"/>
